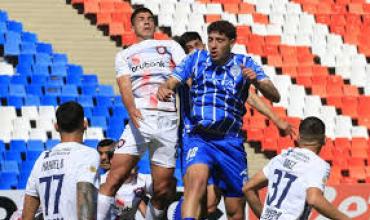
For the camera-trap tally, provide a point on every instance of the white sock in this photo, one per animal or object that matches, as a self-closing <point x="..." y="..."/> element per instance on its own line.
<point x="105" y="205"/>
<point x="153" y="213"/>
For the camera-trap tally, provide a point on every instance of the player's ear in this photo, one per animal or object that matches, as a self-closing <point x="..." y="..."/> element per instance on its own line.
<point x="232" y="43"/>
<point x="56" y="127"/>
<point x="85" y="124"/>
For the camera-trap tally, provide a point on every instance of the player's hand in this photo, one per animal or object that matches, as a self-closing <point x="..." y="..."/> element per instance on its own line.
<point x="286" y="129"/>
<point x="135" y="116"/>
<point x="164" y="94"/>
<point x="249" y="74"/>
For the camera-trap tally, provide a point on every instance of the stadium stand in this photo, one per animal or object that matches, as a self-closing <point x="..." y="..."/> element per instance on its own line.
<point x="318" y="60"/>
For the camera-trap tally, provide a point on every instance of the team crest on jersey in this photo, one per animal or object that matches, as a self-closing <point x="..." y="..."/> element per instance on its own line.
<point x="120" y="143"/>
<point x="135" y="59"/>
<point x="235" y="70"/>
<point x="161" y="49"/>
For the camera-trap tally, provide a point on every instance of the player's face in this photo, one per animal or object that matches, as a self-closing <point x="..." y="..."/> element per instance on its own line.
<point x="194" y="44"/>
<point x="144" y="26"/>
<point x="106" y="153"/>
<point x="219" y="47"/>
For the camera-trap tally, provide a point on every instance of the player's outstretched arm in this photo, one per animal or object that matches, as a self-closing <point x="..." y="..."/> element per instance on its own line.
<point x="316" y="199"/>
<point x="251" y="189"/>
<point x="30" y="206"/>
<point x="125" y="88"/>
<point x="87" y="196"/>
<point x="166" y="90"/>
<point x="284" y="127"/>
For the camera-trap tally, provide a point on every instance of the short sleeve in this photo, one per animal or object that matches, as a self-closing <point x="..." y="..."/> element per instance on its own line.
<point x="87" y="168"/>
<point x="31" y="187"/>
<point x="250" y="63"/>
<point x="317" y="176"/>
<point x="184" y="70"/>
<point x="121" y="65"/>
<point x="177" y="52"/>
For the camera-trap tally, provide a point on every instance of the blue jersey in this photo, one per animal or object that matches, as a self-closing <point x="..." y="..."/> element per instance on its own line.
<point x="218" y="93"/>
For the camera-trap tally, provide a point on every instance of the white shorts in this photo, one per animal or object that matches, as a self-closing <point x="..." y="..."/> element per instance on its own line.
<point x="158" y="131"/>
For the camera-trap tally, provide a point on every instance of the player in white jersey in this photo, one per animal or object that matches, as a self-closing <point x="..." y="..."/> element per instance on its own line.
<point x="140" y="69"/>
<point x="295" y="179"/>
<point x="64" y="179"/>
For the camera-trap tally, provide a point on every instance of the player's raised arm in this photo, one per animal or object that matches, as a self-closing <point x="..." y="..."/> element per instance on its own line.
<point x="251" y="189"/>
<point x="316" y="199"/>
<point x="30" y="206"/>
<point x="87" y="195"/>
<point x="262" y="83"/>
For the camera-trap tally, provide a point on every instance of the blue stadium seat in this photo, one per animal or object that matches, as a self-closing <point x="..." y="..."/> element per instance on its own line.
<point x="4" y="92"/>
<point x="91" y="142"/>
<point x="17" y="145"/>
<point x="85" y="101"/>
<point x="3" y="27"/>
<point x="28" y="48"/>
<point x="98" y="121"/>
<point x="16" y="101"/>
<point x="22" y="180"/>
<point x="2" y="146"/>
<point x="3" y="15"/>
<point x="103" y="100"/>
<point x="2" y="38"/>
<point x="90" y="79"/>
<point x="88" y="89"/>
<point x="88" y="112"/>
<point x="59" y="69"/>
<point x="144" y="164"/>
<point x="120" y="111"/>
<point x="32" y="155"/>
<point x="12" y="48"/>
<point x="113" y="133"/>
<point x="38" y="79"/>
<point x="29" y="37"/>
<point x="44" y="48"/>
<point x="52" y="90"/>
<point x="73" y="79"/>
<point x="32" y="100"/>
<point x="26" y="166"/>
<point x="8" y="180"/>
<point x="59" y="58"/>
<point x="41" y="69"/>
<point x="105" y="90"/>
<point x="19" y="79"/>
<point x="4" y="79"/>
<point x="24" y="69"/>
<point x="43" y="58"/>
<point x="75" y="69"/>
<point x="14" y="26"/>
<point x="34" y="90"/>
<point x="13" y="155"/>
<point x="17" y="90"/>
<point x="70" y="90"/>
<point x="49" y="100"/>
<point x="100" y="110"/>
<point x="118" y="100"/>
<point x="35" y="145"/>
<point x="54" y="80"/>
<point x="26" y="59"/>
<point x="67" y="98"/>
<point x="51" y="143"/>
<point x="9" y="166"/>
<point x="12" y="36"/>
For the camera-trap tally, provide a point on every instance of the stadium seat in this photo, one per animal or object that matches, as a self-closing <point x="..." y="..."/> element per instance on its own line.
<point x="44" y="48"/>
<point x="85" y="101"/>
<point x="13" y="155"/>
<point x="18" y="145"/>
<point x="8" y="180"/>
<point x="99" y="121"/>
<point x="35" y="145"/>
<point x="32" y="155"/>
<point x="93" y="143"/>
<point x="9" y="166"/>
<point x="49" y="144"/>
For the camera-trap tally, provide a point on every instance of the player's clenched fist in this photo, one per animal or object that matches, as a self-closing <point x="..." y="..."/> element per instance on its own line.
<point x="164" y="94"/>
<point x="248" y="73"/>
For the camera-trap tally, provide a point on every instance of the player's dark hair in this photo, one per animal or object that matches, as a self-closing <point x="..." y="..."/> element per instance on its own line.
<point x="187" y="37"/>
<point x="312" y="129"/>
<point x="138" y="11"/>
<point x="106" y="142"/>
<point x="70" y="117"/>
<point x="223" y="27"/>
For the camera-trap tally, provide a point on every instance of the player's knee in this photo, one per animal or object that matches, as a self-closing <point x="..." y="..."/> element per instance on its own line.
<point x="211" y="207"/>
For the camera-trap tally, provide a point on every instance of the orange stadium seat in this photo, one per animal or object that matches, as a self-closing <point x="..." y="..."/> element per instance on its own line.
<point x="107" y="6"/>
<point x="116" y="29"/>
<point x="349" y="105"/>
<point x="91" y="7"/>
<point x="231" y="8"/>
<point x="269" y="144"/>
<point x="103" y="18"/>
<point x="246" y="8"/>
<point x="212" y="18"/>
<point x="357" y="172"/>
<point x="254" y="134"/>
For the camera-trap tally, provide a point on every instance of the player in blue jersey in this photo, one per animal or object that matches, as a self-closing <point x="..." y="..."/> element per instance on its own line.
<point x="191" y="41"/>
<point x="220" y="85"/>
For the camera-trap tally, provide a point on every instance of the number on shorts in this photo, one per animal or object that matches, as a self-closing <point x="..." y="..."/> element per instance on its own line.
<point x="48" y="180"/>
<point x="276" y="186"/>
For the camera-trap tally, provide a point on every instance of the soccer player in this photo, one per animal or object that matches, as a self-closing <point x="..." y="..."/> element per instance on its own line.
<point x="191" y="41"/>
<point x="220" y="84"/>
<point x="64" y="179"/>
<point x="295" y="178"/>
<point x="105" y="149"/>
<point x="140" y="69"/>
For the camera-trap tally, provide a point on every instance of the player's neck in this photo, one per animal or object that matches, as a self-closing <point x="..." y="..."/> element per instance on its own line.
<point x="312" y="148"/>
<point x="141" y="38"/>
<point x="71" y="137"/>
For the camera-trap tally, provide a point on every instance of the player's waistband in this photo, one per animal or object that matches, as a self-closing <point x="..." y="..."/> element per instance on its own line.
<point x="213" y="133"/>
<point x="150" y="104"/>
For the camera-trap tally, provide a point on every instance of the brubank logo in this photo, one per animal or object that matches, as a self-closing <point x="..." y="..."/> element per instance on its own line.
<point x="146" y="65"/>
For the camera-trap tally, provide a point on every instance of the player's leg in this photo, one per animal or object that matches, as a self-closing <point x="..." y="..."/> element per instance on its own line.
<point x="235" y="208"/>
<point x="126" y="155"/>
<point x="213" y="198"/>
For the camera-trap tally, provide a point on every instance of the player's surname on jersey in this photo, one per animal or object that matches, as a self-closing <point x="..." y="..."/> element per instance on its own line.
<point x="53" y="164"/>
